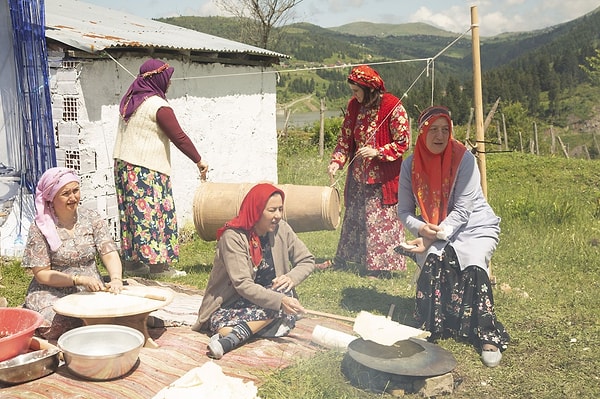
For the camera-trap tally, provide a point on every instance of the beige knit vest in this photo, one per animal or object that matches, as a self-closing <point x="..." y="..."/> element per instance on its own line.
<point x="140" y="141"/>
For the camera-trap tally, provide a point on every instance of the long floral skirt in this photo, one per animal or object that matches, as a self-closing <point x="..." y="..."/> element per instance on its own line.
<point x="455" y="303"/>
<point x="370" y="230"/>
<point x="146" y="214"/>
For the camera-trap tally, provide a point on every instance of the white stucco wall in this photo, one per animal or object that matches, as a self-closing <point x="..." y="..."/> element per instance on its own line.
<point x="228" y="112"/>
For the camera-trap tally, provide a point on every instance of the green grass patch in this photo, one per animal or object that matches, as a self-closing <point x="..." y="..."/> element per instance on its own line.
<point x="547" y="268"/>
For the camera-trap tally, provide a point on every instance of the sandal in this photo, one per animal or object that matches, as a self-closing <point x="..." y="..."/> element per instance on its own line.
<point x="490" y="357"/>
<point x="169" y="273"/>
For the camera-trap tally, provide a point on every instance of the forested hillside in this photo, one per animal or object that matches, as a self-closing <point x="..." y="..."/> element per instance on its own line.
<point x="537" y="75"/>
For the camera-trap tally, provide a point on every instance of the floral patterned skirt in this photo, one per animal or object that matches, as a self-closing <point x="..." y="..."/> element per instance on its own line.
<point x="370" y="230"/>
<point x="455" y="303"/>
<point x="147" y="215"/>
<point x="243" y="309"/>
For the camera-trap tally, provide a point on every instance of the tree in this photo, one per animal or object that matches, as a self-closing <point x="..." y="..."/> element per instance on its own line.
<point x="258" y="18"/>
<point x="593" y="68"/>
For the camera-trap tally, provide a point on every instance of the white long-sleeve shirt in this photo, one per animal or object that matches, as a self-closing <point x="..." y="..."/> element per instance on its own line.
<point x="471" y="226"/>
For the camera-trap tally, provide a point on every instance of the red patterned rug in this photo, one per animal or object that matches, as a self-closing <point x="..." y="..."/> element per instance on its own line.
<point x="180" y="350"/>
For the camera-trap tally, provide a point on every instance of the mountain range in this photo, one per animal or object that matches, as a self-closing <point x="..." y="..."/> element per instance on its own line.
<point x="539" y="70"/>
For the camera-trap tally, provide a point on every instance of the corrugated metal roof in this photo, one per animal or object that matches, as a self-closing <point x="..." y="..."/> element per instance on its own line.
<point x="92" y="29"/>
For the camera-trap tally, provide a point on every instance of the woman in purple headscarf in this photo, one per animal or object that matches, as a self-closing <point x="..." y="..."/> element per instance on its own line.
<point x="149" y="236"/>
<point x="61" y="250"/>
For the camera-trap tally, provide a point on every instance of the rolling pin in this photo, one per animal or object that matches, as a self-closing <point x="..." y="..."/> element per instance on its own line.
<point x="141" y="295"/>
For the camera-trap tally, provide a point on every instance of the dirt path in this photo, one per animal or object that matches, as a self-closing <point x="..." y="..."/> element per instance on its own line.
<point x="305" y="100"/>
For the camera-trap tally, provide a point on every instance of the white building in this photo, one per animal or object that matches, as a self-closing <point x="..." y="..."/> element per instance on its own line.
<point x="223" y="93"/>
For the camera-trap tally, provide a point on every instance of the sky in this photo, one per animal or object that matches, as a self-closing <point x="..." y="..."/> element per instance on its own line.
<point x="495" y="16"/>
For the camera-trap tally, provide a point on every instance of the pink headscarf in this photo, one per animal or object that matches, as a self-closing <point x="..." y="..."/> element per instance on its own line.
<point x="50" y="183"/>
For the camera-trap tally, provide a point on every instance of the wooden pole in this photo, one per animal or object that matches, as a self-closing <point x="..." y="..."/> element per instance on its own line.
<point x="535" y="139"/>
<point x="322" y="129"/>
<point x="478" y="100"/>
<point x="505" y="134"/>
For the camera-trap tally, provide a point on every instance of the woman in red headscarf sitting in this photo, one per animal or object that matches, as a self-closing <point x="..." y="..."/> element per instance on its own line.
<point x="259" y="262"/>
<point x="457" y="233"/>
<point x="373" y="138"/>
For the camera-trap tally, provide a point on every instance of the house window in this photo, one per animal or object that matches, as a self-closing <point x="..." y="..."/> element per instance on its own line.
<point x="56" y="136"/>
<point x="72" y="160"/>
<point x="114" y="228"/>
<point x="68" y="64"/>
<point x="69" y="109"/>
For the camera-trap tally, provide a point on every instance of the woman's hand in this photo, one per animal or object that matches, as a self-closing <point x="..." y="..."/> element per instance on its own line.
<point x="422" y="244"/>
<point x="282" y="284"/>
<point x="291" y="305"/>
<point x="332" y="169"/>
<point x="429" y="231"/>
<point x="367" y="152"/>
<point x="89" y="283"/>
<point x="203" y="168"/>
<point x="115" y="285"/>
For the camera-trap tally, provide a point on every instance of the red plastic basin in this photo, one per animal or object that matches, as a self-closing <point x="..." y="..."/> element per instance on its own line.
<point x="17" y="326"/>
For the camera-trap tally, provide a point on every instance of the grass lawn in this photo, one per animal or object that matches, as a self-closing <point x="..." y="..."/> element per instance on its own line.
<point x="547" y="268"/>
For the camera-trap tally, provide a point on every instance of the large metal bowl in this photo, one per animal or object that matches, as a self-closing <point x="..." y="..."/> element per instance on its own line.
<point x="29" y="366"/>
<point x="102" y="351"/>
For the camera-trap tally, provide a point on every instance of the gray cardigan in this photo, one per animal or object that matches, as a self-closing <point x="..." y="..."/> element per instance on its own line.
<point x="472" y="227"/>
<point x="233" y="272"/>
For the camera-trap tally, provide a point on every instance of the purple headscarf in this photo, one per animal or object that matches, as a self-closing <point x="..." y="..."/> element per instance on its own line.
<point x="50" y="183"/>
<point x="153" y="80"/>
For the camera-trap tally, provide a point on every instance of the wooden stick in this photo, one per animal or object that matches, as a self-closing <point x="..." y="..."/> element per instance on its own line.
<point x="329" y="315"/>
<point x="141" y="295"/>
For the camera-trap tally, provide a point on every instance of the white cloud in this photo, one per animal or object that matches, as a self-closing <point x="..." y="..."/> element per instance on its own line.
<point x="454" y="19"/>
<point x="496" y="22"/>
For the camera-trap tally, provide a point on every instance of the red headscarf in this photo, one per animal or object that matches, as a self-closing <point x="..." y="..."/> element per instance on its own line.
<point x="153" y="80"/>
<point x="367" y="76"/>
<point x="434" y="174"/>
<point x="251" y="210"/>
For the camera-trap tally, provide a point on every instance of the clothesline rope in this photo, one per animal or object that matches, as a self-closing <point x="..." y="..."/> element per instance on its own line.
<point x="429" y="60"/>
<point x="430" y="65"/>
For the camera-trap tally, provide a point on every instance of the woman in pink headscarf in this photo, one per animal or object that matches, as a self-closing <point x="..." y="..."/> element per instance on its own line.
<point x="61" y="250"/>
<point x="142" y="168"/>
<point x="259" y="262"/>
<point x="374" y="136"/>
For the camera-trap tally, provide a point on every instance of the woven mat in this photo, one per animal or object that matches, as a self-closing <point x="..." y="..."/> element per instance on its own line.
<point x="181" y="349"/>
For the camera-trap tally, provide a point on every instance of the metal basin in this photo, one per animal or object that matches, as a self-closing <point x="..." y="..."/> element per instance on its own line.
<point x="29" y="366"/>
<point x="102" y="351"/>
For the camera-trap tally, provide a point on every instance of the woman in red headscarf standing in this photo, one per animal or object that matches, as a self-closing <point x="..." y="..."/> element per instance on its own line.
<point x="373" y="138"/>
<point x="457" y="232"/>
<point x="259" y="262"/>
<point x="149" y="234"/>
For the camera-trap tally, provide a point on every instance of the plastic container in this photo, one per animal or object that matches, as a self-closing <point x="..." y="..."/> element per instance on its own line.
<point x="17" y="326"/>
